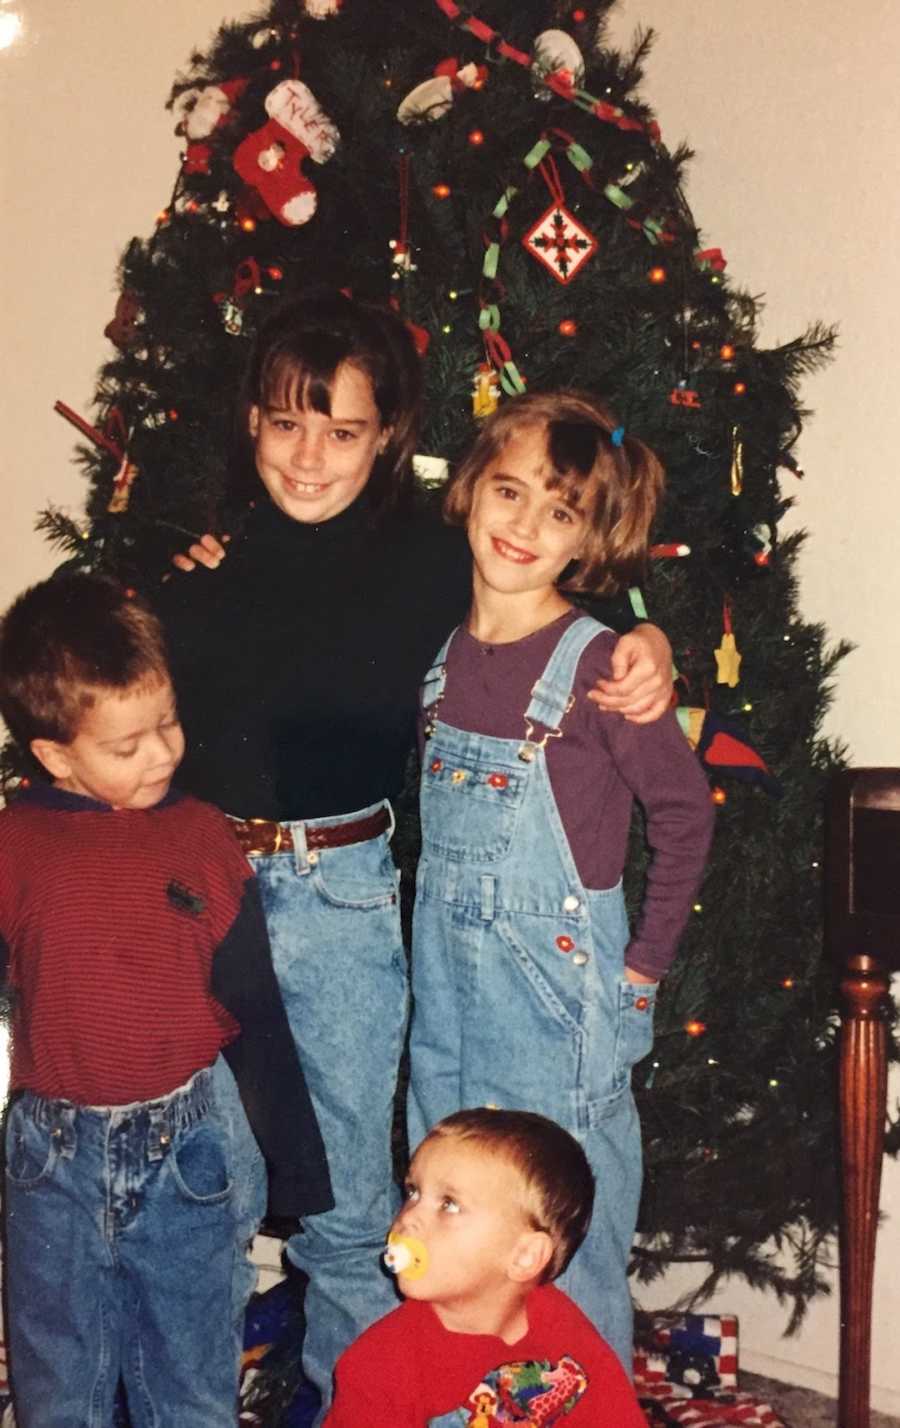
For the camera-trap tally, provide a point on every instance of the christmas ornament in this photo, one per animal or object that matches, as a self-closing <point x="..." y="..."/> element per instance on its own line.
<point x="200" y="111"/>
<point x="600" y="108"/>
<point x="321" y="9"/>
<point x="724" y="747"/>
<point x="728" y="658"/>
<point x="684" y="396"/>
<point x="247" y="280"/>
<point x="558" y="240"/>
<point x="269" y="159"/>
<point x="711" y="260"/>
<point x="432" y="98"/>
<point x="557" y="56"/>
<point x="758" y="544"/>
<point x="268" y="35"/>
<point x="196" y="158"/>
<point x="123" y="329"/>
<point x="485" y="391"/>
<point x="431" y="471"/>
<point x="113" y="439"/>
<point x="737" y="462"/>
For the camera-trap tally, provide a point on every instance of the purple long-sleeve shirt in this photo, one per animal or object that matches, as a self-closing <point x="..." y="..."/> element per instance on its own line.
<point x="596" y="769"/>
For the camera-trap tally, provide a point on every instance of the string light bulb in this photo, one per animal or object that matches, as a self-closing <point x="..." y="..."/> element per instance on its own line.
<point x="441" y="190"/>
<point x="657" y="275"/>
<point x="476" y="138"/>
<point x="568" y="327"/>
<point x="695" y="1028"/>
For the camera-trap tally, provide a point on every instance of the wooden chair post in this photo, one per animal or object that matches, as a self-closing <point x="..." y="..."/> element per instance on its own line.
<point x="863" y="927"/>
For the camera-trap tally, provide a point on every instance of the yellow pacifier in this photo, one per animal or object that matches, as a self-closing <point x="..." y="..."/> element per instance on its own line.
<point x="406" y="1255"/>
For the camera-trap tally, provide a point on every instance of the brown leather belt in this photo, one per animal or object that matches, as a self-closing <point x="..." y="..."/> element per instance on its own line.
<point x="263" y="836"/>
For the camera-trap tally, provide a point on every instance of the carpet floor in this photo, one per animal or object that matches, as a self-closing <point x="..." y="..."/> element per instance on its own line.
<point x="800" y="1407"/>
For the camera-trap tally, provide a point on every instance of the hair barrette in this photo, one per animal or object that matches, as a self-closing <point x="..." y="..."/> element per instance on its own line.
<point x="617" y="436"/>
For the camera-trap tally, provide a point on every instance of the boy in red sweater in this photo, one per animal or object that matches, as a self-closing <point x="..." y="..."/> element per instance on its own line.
<point x="497" y="1202"/>
<point x="133" y="942"/>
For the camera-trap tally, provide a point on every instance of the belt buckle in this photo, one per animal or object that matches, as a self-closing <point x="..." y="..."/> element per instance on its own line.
<point x="266" y="823"/>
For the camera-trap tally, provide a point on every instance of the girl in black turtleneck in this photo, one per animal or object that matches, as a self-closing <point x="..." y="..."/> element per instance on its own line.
<point x="297" y="665"/>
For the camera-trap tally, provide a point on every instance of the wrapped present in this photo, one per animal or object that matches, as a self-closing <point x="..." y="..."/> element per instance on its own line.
<point x="724" y="1412"/>
<point x="692" y="1356"/>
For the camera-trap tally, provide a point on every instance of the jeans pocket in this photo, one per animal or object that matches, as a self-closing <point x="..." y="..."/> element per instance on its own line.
<point x="359" y="877"/>
<point x="31" y="1150"/>
<point x="637" y="1003"/>
<point x="201" y="1163"/>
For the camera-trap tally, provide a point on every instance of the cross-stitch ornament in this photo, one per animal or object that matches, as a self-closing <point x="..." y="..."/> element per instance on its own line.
<point x="560" y="242"/>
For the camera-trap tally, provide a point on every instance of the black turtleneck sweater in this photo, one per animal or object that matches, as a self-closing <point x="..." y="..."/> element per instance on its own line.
<point x="297" y="662"/>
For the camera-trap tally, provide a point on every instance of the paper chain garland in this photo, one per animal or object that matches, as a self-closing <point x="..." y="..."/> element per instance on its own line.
<point x="497" y="348"/>
<point x="561" y="82"/>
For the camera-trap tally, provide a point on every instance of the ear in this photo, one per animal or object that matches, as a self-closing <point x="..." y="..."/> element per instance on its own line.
<point x="253" y="422"/>
<point x="384" y="439"/>
<point x="530" y="1256"/>
<point x="53" y="756"/>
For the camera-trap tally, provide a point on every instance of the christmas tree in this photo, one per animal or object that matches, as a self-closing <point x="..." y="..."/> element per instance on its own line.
<point x="492" y="172"/>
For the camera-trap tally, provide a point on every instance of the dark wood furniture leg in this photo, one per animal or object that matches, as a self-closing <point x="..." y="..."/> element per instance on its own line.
<point x="863" y="1089"/>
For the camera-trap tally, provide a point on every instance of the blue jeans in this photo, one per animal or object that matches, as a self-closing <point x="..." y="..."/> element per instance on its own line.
<point x="518" y="974"/>
<point x="334" y="925"/>
<point x="120" y="1227"/>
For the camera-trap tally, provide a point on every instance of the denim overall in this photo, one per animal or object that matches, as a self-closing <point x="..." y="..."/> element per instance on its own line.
<point x="334" y="926"/>
<point x="519" y="993"/>
<point x="121" y="1247"/>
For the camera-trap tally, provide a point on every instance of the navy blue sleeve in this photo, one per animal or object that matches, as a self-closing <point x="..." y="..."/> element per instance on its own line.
<point x="266" y="1067"/>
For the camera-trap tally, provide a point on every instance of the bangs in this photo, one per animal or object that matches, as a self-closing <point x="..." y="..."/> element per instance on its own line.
<point x="301" y="377"/>
<point x="573" y="448"/>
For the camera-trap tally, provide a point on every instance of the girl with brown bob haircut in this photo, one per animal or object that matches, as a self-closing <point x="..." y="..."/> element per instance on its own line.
<point x="596" y="467"/>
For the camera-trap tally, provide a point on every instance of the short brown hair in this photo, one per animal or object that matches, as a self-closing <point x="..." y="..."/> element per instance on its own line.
<point x="66" y="641"/>
<point x="557" y="1181"/>
<point x="594" y="464"/>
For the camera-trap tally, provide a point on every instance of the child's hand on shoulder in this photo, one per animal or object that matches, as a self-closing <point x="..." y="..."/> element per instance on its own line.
<point x="640" y="687"/>
<point x="208" y="551"/>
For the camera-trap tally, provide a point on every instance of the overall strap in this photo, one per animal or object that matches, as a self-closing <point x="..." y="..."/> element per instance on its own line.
<point x="435" y="681"/>
<point x="553" y="690"/>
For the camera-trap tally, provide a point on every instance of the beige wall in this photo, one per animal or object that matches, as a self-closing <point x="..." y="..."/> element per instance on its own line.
<point x="793" y="108"/>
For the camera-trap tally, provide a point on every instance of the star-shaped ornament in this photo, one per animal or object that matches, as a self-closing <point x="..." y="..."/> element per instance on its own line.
<point x="728" y="662"/>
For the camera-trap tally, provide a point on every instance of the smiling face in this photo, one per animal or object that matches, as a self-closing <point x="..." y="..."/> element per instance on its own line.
<point x="522" y="533"/>
<point x="126" y="750"/>
<point x="312" y="464"/>
<point x="466" y="1207"/>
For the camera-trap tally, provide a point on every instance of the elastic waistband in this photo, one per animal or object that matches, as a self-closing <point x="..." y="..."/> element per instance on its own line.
<point x="165" y="1115"/>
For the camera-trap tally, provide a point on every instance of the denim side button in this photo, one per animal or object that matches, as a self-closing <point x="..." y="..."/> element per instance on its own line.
<point x="312" y="858"/>
<point x="571" y="903"/>
<point x="580" y="958"/>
